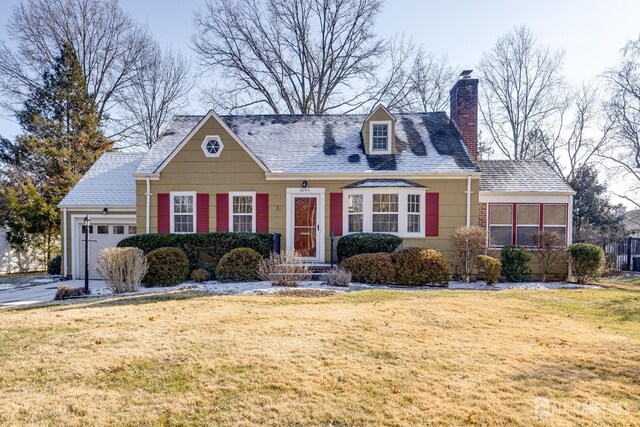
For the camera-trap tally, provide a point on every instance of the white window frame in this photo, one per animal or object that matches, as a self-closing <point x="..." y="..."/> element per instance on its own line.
<point x="389" y="136"/>
<point x="403" y="209"/>
<point x="204" y="145"/>
<point x="566" y="220"/>
<point x="195" y="208"/>
<point x="233" y="194"/>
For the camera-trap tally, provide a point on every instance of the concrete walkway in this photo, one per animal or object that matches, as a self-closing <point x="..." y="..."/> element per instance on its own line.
<point x="23" y="295"/>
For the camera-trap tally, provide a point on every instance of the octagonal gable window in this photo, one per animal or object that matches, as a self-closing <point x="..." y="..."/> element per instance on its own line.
<point x="212" y="146"/>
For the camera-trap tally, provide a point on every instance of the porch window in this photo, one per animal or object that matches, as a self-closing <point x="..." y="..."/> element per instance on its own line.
<point x="501" y="225"/>
<point x="355" y="213"/>
<point x="385" y="213"/>
<point x="183" y="212"/>
<point x="555" y="220"/>
<point x="242" y="212"/>
<point x="528" y="224"/>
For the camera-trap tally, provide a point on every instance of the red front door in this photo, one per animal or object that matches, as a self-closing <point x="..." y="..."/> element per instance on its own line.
<point x="305" y="226"/>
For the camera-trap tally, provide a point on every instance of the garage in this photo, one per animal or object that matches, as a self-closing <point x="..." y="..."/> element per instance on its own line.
<point x="103" y="233"/>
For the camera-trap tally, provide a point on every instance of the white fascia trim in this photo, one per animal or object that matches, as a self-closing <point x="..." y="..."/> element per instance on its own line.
<point x="253" y="208"/>
<point x="359" y="176"/>
<point x="372" y="123"/>
<point x="527" y="193"/>
<point x="367" y="209"/>
<point x="99" y="208"/>
<point x="209" y="115"/>
<point x="378" y="107"/>
<point x="141" y="176"/>
<point x="524" y="198"/>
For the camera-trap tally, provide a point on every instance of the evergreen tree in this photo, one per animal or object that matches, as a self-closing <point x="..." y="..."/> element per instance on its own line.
<point x="61" y="139"/>
<point x="595" y="218"/>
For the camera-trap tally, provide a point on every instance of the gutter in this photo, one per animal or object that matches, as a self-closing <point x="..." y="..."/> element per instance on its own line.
<point x="64" y="241"/>
<point x="468" y="201"/>
<point x="148" y="206"/>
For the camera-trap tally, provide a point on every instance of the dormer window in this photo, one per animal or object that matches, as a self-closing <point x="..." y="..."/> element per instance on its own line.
<point x="380" y="137"/>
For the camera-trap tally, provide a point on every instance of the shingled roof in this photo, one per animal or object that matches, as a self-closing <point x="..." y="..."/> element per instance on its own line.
<point x="425" y="143"/>
<point x="109" y="182"/>
<point x="521" y="176"/>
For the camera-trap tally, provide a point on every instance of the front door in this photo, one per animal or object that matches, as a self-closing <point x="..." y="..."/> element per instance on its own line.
<point x="306" y="224"/>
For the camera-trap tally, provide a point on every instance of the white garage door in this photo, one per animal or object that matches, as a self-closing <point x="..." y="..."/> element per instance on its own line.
<point x="101" y="236"/>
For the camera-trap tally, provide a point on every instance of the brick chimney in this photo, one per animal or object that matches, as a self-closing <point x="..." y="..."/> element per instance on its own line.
<point x="464" y="110"/>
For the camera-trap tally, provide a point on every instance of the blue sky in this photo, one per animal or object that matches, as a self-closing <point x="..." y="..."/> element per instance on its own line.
<point x="591" y="32"/>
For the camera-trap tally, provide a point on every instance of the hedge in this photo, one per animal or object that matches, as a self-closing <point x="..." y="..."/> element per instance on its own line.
<point x="587" y="261"/>
<point x="203" y="250"/>
<point x="166" y="267"/>
<point x="419" y="266"/>
<point x="239" y="264"/>
<point x="374" y="268"/>
<point x="515" y="263"/>
<point x="366" y="243"/>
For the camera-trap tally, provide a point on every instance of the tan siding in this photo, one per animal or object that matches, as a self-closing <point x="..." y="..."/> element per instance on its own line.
<point x="378" y="115"/>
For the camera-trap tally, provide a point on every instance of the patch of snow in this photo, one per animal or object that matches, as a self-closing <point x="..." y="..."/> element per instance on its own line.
<point x="48" y="280"/>
<point x="4" y="286"/>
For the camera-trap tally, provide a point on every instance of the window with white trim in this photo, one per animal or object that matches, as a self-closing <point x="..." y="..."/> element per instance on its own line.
<point x="355" y="213"/>
<point x="527" y="224"/>
<point x="380" y="137"/>
<point x="397" y="211"/>
<point x="183" y="212"/>
<point x="242" y="212"/>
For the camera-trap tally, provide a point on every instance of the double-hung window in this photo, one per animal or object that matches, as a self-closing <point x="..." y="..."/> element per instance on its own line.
<point x="527" y="224"/>
<point x="380" y="137"/>
<point x="555" y="220"/>
<point x="399" y="211"/>
<point x="183" y="212"/>
<point x="242" y="212"/>
<point x="500" y="224"/>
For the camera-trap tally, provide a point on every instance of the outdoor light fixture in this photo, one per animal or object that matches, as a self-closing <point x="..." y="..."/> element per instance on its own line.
<point x="105" y="211"/>
<point x="304" y="184"/>
<point x="87" y="225"/>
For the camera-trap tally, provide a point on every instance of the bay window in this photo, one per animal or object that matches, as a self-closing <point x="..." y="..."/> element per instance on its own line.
<point x="183" y="212"/>
<point x="520" y="223"/>
<point x="397" y="211"/>
<point x="242" y="212"/>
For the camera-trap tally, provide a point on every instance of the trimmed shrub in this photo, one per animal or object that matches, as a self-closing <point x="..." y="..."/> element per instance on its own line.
<point x="549" y="251"/>
<point x="515" y="263"/>
<point x="337" y="277"/>
<point x="55" y="265"/>
<point x="366" y="243"/>
<point x="374" y="268"/>
<point x="587" y="261"/>
<point x="204" y="250"/>
<point x="122" y="268"/>
<point x="417" y="266"/>
<point x="65" y="292"/>
<point x="200" y="275"/>
<point x="239" y="264"/>
<point x="284" y="269"/>
<point x="469" y="242"/>
<point x="166" y="267"/>
<point x="491" y="268"/>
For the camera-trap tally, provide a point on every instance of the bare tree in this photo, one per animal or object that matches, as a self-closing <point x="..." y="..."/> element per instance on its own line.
<point x="158" y="90"/>
<point x="291" y="56"/>
<point x="623" y="156"/>
<point x="106" y="41"/>
<point x="522" y="85"/>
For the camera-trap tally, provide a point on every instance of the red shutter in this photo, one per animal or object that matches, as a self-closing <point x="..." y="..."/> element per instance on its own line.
<point x="164" y="217"/>
<point x="202" y="212"/>
<point x="431" y="214"/>
<point x="335" y="213"/>
<point x="222" y="212"/>
<point x="262" y="213"/>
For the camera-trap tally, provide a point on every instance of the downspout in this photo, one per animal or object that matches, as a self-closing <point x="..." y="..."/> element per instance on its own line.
<point x="148" y="207"/>
<point x="64" y="241"/>
<point x="468" y="201"/>
<point x="570" y="234"/>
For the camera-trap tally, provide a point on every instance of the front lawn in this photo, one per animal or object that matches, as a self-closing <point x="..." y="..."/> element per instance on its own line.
<point x="365" y="358"/>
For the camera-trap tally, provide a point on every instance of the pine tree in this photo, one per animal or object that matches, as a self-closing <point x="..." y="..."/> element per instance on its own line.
<point x="61" y="139"/>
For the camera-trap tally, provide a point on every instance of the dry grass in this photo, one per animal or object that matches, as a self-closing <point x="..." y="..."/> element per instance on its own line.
<point x="366" y="358"/>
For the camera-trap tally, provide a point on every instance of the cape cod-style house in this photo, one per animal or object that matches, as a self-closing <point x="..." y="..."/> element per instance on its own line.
<point x="311" y="177"/>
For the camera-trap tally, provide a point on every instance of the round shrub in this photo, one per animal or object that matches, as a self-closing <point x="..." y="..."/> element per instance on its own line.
<point x="54" y="266"/>
<point x="370" y="268"/>
<point x="491" y="268"/>
<point x="417" y="266"/>
<point x="587" y="261"/>
<point x="166" y="267"/>
<point x="366" y="243"/>
<point x="239" y="264"/>
<point x="515" y="263"/>
<point x="200" y="275"/>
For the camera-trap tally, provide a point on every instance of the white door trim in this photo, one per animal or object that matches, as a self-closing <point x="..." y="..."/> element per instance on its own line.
<point x="77" y="220"/>
<point x="315" y="192"/>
